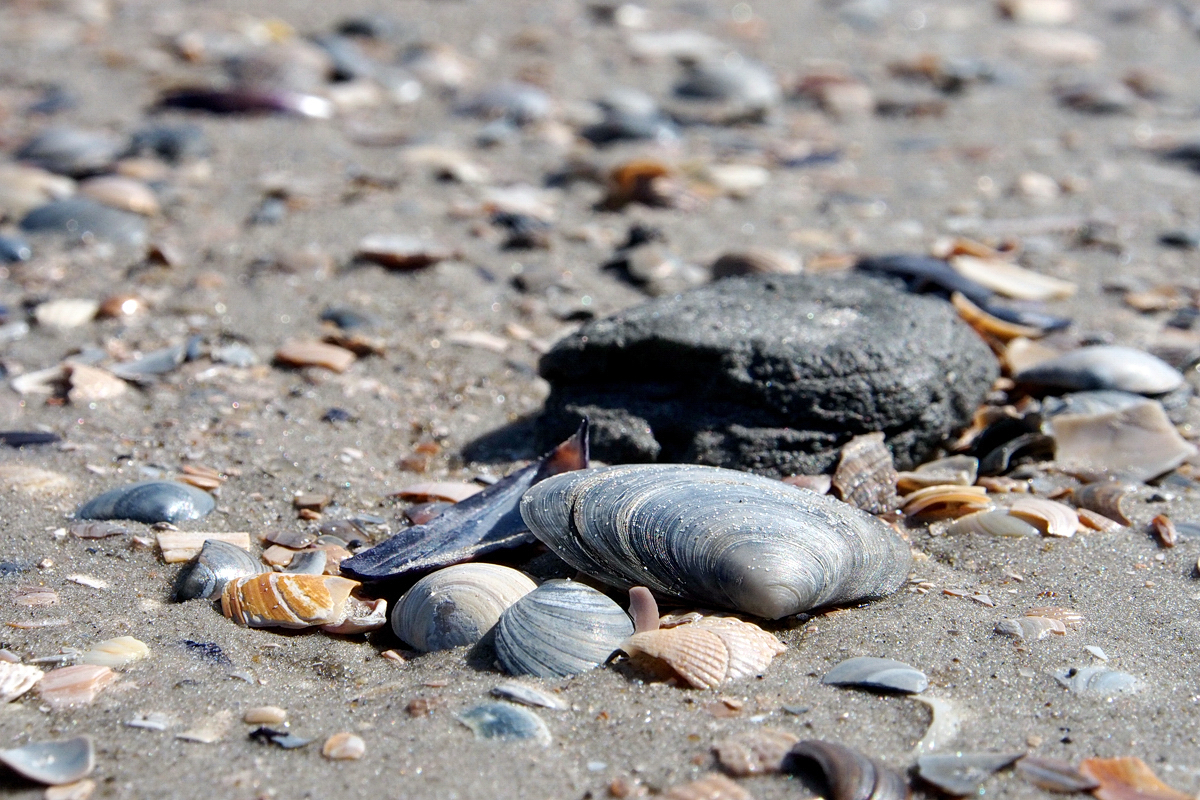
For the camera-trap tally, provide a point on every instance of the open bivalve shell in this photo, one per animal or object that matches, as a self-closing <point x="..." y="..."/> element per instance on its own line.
<point x="457" y="605"/>
<point x="561" y="628"/>
<point x="716" y="537"/>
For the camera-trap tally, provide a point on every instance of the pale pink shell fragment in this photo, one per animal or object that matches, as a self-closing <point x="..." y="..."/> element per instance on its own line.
<point x="74" y="686"/>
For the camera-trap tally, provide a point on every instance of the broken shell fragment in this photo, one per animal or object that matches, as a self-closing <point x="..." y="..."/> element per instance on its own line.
<point x="1067" y="616"/>
<point x="115" y="653"/>
<point x="708" y="652"/>
<point x="74" y="686"/>
<point x="344" y="746"/>
<point x="149" y="502"/>
<point x="1033" y="628"/>
<point x="1127" y="778"/>
<point x="217" y="563"/>
<point x="17" y="679"/>
<point x="961" y="774"/>
<point x="757" y="752"/>
<point x="526" y="695"/>
<point x="457" y="605"/>
<point x="1010" y="280"/>
<point x="315" y="354"/>
<point x="949" y="471"/>
<point x="1103" y="497"/>
<point x="1054" y="775"/>
<point x="881" y="674"/>
<point x="716" y="537"/>
<point x="865" y="476"/>
<point x="1099" y="681"/>
<point x="935" y="502"/>
<point x="944" y="724"/>
<point x="561" y="628"/>
<point x="265" y="715"/>
<point x="505" y="721"/>
<point x="401" y="252"/>
<point x="362" y="616"/>
<point x="274" y="599"/>
<point x="1164" y="530"/>
<point x="179" y="546"/>
<point x="1048" y="516"/>
<point x="52" y="763"/>
<point x="848" y="774"/>
<point x="755" y="261"/>
<point x="1125" y="369"/>
<point x="710" y="787"/>
<point x="992" y="523"/>
<point x="1136" y="442"/>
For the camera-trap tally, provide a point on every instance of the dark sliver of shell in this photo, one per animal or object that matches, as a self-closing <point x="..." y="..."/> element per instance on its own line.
<point x="715" y="536"/>
<point x="149" y="502"/>
<point x="882" y="674"/>
<point x="848" y="774"/>
<point x="487" y="521"/>
<point x="960" y="774"/>
<point x="28" y="438"/>
<point x="217" y="563"/>
<point x="561" y="628"/>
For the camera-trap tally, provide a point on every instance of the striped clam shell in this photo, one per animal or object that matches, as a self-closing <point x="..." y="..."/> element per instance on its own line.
<point x="457" y="605"/>
<point x="717" y="537"/>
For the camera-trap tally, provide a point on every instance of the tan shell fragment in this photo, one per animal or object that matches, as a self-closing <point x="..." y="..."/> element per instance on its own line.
<point x="315" y="354"/>
<point x="115" y="653"/>
<point x="16" y="680"/>
<point x="344" y="746"/>
<point x="985" y="323"/>
<point x="755" y="752"/>
<point x="1103" y="498"/>
<point x="708" y="652"/>
<point x="1010" y="280"/>
<point x="937" y="502"/>
<point x="33" y="480"/>
<point x="121" y="192"/>
<point x="1048" y="516"/>
<point x="710" y="787"/>
<point x="180" y="546"/>
<point x="91" y="384"/>
<point x="1096" y="522"/>
<point x="1138" y="441"/>
<point x="74" y="686"/>
<point x="287" y="601"/>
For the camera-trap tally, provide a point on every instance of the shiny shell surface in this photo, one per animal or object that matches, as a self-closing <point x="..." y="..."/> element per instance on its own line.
<point x="1137" y="442"/>
<point x="217" y="564"/>
<point x="880" y="674"/>
<point x="286" y="601"/>
<point x="1114" y="367"/>
<point x="457" y="605"/>
<point x="149" y="502"/>
<point x="1100" y="681"/>
<point x="717" y="537"/>
<point x="561" y="628"/>
<point x="847" y="773"/>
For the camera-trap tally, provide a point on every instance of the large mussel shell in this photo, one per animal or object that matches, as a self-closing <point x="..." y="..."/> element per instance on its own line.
<point x="717" y="537"/>
<point x="561" y="628"/>
<point x="216" y="565"/>
<point x="457" y="605"/>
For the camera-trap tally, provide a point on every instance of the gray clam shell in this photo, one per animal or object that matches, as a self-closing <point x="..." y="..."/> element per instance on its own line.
<point x="717" y="537"/>
<point x="457" y="605"/>
<point x="877" y="673"/>
<point x="216" y="565"/>
<point x="561" y="628"/>
<point x="52" y="763"/>
<point x="149" y="502"/>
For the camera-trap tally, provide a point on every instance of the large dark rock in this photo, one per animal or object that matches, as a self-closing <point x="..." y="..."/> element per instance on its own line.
<point x="769" y="373"/>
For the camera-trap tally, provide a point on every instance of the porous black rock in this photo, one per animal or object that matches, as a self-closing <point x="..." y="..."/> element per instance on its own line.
<point x="771" y="374"/>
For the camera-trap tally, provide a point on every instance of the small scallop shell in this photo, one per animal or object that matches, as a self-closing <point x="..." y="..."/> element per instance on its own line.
<point x="935" y="502"/>
<point x="1034" y="628"/>
<point x="992" y="523"/>
<point x="708" y="652"/>
<point x="561" y="628"/>
<point x="865" y="476"/>
<point x="848" y="774"/>
<point x="1050" y="517"/>
<point x="217" y="563"/>
<point x="274" y="599"/>
<point x="949" y="471"/>
<point x="457" y="605"/>
<point x="1103" y="497"/>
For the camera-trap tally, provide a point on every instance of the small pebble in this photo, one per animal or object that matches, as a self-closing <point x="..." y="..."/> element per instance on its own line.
<point x="265" y="715"/>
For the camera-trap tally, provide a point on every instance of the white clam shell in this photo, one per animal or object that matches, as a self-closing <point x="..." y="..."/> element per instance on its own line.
<point x="457" y="605"/>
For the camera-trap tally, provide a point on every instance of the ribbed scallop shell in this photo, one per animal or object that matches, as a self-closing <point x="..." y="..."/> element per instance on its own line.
<point x="457" y="605"/>
<point x="561" y="628"/>
<point x="715" y="536"/>
<point x="708" y="652"/>
<point x="275" y="599"/>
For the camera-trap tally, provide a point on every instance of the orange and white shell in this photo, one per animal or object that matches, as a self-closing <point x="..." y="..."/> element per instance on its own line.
<point x="709" y="651"/>
<point x="281" y="600"/>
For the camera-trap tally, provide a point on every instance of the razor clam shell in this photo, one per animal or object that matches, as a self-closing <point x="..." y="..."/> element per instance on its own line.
<point x="992" y="523"/>
<point x="1097" y="680"/>
<point x="1034" y="628"/>
<point x="883" y="674"/>
<point x="561" y="628"/>
<point x="149" y="502"/>
<point x="52" y="763"/>
<point x="961" y="774"/>
<point x="457" y="605"/>
<point x="1104" y="498"/>
<point x="1054" y="775"/>
<point x="1124" y="369"/>
<point x="865" y="476"/>
<point x="1049" y="516"/>
<point x="717" y="537"/>
<point x="949" y="471"/>
<point x="848" y="774"/>
<point x="505" y="721"/>
<point x="489" y="520"/>
<point x="1137" y="442"/>
<point x="217" y="563"/>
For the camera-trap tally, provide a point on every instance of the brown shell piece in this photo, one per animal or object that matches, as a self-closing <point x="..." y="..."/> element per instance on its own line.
<point x="287" y="601"/>
<point x="937" y="502"/>
<point x="1067" y="616"/>
<point x="985" y="323"/>
<point x="865" y="476"/>
<point x="314" y="354"/>
<point x="1164" y="529"/>
<point x="756" y="752"/>
<point x="848" y="774"/>
<point x="1048" y="516"/>
<point x="708" y="652"/>
<point x="755" y="261"/>
<point x="1103" y="497"/>
<point x="1097" y="522"/>
<point x="710" y="787"/>
<point x="644" y="181"/>
<point x="1127" y="778"/>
